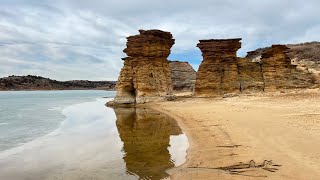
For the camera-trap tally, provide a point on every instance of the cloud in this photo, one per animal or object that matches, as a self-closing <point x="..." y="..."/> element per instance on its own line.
<point x="80" y="39"/>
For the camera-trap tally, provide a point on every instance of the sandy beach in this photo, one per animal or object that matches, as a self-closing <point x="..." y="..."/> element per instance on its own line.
<point x="265" y="136"/>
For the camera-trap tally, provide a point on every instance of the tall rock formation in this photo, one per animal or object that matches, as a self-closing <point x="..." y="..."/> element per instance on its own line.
<point x="218" y="72"/>
<point x="183" y="76"/>
<point x="266" y="69"/>
<point x="146" y="72"/>
<point x="279" y="73"/>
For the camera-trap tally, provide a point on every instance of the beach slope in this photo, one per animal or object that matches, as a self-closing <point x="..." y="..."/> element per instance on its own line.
<point x="269" y="136"/>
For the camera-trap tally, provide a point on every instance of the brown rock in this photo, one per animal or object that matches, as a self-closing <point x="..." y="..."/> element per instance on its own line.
<point x="218" y="72"/>
<point x="279" y="73"/>
<point x="266" y="69"/>
<point x="183" y="76"/>
<point x="146" y="73"/>
<point x="250" y="75"/>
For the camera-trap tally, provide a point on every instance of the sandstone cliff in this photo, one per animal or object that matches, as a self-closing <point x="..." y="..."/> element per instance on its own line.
<point x="183" y="76"/>
<point x="279" y="73"/>
<point x="250" y="75"/>
<point x="145" y="75"/>
<point x="267" y="69"/>
<point x="305" y="55"/>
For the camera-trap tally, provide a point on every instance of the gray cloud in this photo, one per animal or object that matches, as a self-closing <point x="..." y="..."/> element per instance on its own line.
<point x="81" y="39"/>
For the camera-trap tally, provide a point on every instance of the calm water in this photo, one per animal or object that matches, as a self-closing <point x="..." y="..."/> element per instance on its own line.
<point x="72" y="135"/>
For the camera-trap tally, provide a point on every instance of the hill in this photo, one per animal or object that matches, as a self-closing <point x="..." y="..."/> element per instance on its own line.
<point x="31" y="82"/>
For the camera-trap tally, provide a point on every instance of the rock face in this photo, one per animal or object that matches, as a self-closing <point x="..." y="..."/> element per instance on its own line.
<point x="267" y="69"/>
<point x="146" y="138"/>
<point x="218" y="72"/>
<point x="183" y="76"/>
<point x="279" y="73"/>
<point x="146" y="72"/>
<point x="250" y="75"/>
<point x="305" y="55"/>
<point x="276" y="67"/>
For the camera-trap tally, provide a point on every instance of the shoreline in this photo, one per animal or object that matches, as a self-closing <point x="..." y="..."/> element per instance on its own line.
<point x="248" y="137"/>
<point x="14" y="90"/>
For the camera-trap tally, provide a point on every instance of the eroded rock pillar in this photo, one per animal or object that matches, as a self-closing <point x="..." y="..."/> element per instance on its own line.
<point x="218" y="72"/>
<point x="146" y="73"/>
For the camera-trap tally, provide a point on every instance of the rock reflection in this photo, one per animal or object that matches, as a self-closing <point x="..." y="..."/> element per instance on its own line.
<point x="145" y="134"/>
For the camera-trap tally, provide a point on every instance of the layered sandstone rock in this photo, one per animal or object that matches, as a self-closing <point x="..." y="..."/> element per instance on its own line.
<point x="266" y="69"/>
<point x="146" y="72"/>
<point x="183" y="76"/>
<point x="250" y="75"/>
<point x="279" y="73"/>
<point x="146" y="138"/>
<point x="218" y="72"/>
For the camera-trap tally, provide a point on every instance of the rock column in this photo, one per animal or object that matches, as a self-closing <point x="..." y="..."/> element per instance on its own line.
<point x="146" y="73"/>
<point x="218" y="72"/>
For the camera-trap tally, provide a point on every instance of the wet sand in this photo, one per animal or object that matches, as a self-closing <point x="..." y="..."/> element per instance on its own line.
<point x="266" y="136"/>
<point x="95" y="142"/>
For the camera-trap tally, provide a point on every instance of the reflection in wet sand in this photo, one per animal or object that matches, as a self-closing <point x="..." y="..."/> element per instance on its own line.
<point x="145" y="134"/>
<point x="87" y="146"/>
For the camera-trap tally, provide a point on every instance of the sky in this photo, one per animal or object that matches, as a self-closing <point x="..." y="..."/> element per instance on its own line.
<point x="84" y="39"/>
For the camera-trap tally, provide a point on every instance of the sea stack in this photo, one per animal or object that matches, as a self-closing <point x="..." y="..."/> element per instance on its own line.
<point x="145" y="75"/>
<point x="218" y="72"/>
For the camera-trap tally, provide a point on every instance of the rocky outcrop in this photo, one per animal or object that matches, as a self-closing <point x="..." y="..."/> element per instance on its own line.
<point x="279" y="73"/>
<point x="145" y="75"/>
<point x="250" y="75"/>
<point x="30" y="82"/>
<point x="276" y="67"/>
<point x="218" y="72"/>
<point x="183" y="76"/>
<point x="305" y="55"/>
<point x="267" y="69"/>
<point x="146" y="138"/>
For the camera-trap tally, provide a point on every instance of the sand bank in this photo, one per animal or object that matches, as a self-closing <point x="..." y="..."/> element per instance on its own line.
<point x="248" y="137"/>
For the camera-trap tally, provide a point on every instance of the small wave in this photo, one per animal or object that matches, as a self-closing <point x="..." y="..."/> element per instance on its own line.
<point x="2" y="124"/>
<point x="55" y="108"/>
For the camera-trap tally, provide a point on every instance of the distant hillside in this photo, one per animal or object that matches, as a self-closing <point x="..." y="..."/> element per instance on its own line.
<point x="40" y="83"/>
<point x="305" y="55"/>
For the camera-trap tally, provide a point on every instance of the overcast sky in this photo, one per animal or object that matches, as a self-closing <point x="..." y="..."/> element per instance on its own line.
<point x="84" y="39"/>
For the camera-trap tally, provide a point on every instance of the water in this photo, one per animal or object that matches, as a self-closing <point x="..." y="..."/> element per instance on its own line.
<point x="25" y="115"/>
<point x="72" y="135"/>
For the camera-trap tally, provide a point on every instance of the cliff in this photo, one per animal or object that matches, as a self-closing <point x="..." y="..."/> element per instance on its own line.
<point x="145" y="75"/>
<point x="40" y="83"/>
<point x="266" y="69"/>
<point x="305" y="55"/>
<point x="183" y="76"/>
<point x="279" y="73"/>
